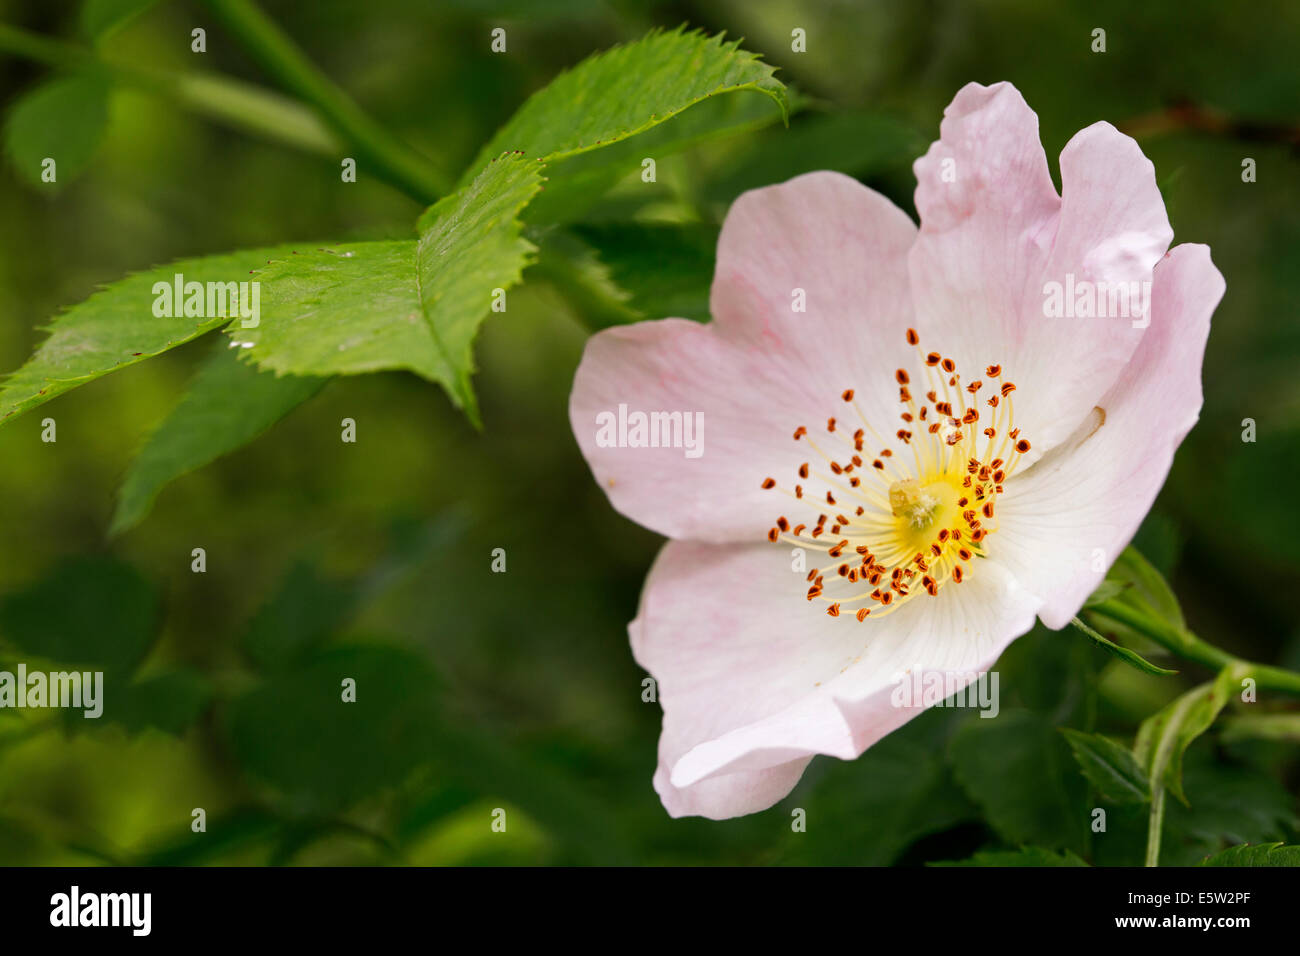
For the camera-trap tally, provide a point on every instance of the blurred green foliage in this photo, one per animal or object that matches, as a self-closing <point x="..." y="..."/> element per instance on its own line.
<point x="479" y="691"/>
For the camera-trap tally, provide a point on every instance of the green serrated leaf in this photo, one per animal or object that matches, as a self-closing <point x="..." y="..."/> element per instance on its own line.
<point x="171" y="702"/>
<point x="228" y="404"/>
<point x="873" y="808"/>
<point x="64" y="120"/>
<point x="1113" y="769"/>
<point x="94" y="612"/>
<point x="400" y="304"/>
<point x="1025" y="856"/>
<point x="577" y="183"/>
<point x="547" y="790"/>
<point x="1264" y="854"/>
<point x="226" y="838"/>
<point x="1164" y="737"/>
<point x="116" y="327"/>
<point x="618" y="93"/>
<point x="294" y="734"/>
<point x="576" y="272"/>
<point x="666" y="268"/>
<point x="306" y="610"/>
<point x="1018" y="770"/>
<point x="616" y="273"/>
<point x="342" y="310"/>
<point x="1230" y="804"/>
<point x="472" y="247"/>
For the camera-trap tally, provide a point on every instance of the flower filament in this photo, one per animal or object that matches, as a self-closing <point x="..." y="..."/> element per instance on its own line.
<point x="895" y="526"/>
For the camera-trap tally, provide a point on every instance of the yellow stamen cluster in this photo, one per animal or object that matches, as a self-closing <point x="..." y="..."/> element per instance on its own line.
<point x="893" y="527"/>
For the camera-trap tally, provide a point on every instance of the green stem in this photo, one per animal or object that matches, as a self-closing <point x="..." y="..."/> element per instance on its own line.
<point x="251" y="108"/>
<point x="33" y="46"/>
<point x="1263" y="727"/>
<point x="286" y="63"/>
<point x="1186" y="644"/>
<point x="231" y="102"/>
<point x="1155" y="824"/>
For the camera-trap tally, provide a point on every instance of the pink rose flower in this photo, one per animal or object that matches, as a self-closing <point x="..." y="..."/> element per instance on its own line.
<point x="892" y="447"/>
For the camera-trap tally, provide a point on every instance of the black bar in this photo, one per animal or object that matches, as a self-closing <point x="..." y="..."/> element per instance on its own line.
<point x="218" y="905"/>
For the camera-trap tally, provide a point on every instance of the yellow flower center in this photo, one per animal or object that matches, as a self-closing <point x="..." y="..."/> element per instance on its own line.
<point x="903" y="524"/>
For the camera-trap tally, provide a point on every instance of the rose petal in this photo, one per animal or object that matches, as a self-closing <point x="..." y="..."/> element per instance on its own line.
<point x="754" y="679"/>
<point x="994" y="233"/>
<point x="759" y="370"/>
<point x="1065" y="520"/>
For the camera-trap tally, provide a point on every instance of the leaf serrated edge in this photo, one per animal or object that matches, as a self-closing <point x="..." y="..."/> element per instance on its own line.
<point x="462" y="384"/>
<point x="777" y="93"/>
<point x="1081" y="744"/>
<point x="16" y="409"/>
